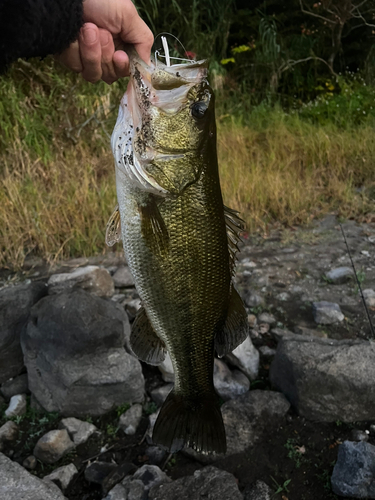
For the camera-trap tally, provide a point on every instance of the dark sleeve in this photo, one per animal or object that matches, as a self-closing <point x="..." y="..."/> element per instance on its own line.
<point x="30" y="28"/>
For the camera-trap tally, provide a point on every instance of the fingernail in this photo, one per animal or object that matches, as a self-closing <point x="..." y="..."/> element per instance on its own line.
<point x="90" y="35"/>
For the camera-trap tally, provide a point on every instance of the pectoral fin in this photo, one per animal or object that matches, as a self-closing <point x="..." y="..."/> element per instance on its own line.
<point x="113" y="232"/>
<point x="236" y="327"/>
<point x="153" y="227"/>
<point x="144" y="342"/>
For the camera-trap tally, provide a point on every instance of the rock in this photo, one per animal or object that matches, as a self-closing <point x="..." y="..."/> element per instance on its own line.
<point x="132" y="307"/>
<point x="327" y="313"/>
<point x="117" y="475"/>
<point x="358" y="435"/>
<point x="75" y="358"/>
<point x="252" y="299"/>
<point x="30" y="462"/>
<point x="159" y="395"/>
<point x="17" y="406"/>
<point x="166" y="369"/>
<point x="151" y="422"/>
<point x="96" y="472"/>
<point x="339" y="275"/>
<point x="14" y="386"/>
<point x="123" y="278"/>
<point x="132" y="489"/>
<point x="258" y="491"/>
<point x="209" y="483"/>
<point x="117" y="493"/>
<point x="151" y="475"/>
<point x="15" y="306"/>
<point x="266" y="318"/>
<point x="354" y="472"/>
<point x="249" y="416"/>
<point x="62" y="476"/>
<point x="247" y="419"/>
<point x="156" y="455"/>
<point x="252" y="320"/>
<point x="326" y="380"/>
<point x="266" y="351"/>
<point x="246" y="358"/>
<point x="283" y="296"/>
<point x="78" y="430"/>
<point x="229" y="384"/>
<point x="16" y="484"/>
<point x="93" y="279"/>
<point x="279" y="333"/>
<point x="8" y="432"/>
<point x="369" y="296"/>
<point x="263" y="328"/>
<point x="52" y="446"/>
<point x="130" y="420"/>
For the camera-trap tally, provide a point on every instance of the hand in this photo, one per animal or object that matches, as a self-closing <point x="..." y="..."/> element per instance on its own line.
<point x="97" y="53"/>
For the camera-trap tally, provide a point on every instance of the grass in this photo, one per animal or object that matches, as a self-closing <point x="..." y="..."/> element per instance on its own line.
<point x="57" y="185"/>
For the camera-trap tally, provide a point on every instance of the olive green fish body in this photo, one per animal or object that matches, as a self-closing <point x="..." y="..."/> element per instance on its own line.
<point x="175" y="236"/>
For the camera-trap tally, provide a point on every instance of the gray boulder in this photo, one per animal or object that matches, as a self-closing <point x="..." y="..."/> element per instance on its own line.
<point x="17" y="406"/>
<point x="123" y="278"/>
<point x="16" y="484"/>
<point x="15" y="305"/>
<point x="229" y="384"/>
<point x="76" y="362"/>
<point x="339" y="275"/>
<point x="62" y="476"/>
<point x="78" y="430"/>
<point x="209" y="483"/>
<point x="246" y="358"/>
<point x="130" y="420"/>
<point x="354" y="473"/>
<point x="258" y="491"/>
<point x="326" y="380"/>
<point x="93" y="279"/>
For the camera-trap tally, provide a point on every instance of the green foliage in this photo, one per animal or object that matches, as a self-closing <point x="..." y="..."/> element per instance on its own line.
<point x="122" y="409"/>
<point x="150" y="408"/>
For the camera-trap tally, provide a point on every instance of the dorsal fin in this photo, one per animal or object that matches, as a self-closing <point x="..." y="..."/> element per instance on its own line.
<point x="235" y="225"/>
<point x="113" y="231"/>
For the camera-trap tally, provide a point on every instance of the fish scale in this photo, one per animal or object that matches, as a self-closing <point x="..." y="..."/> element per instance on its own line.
<point x="175" y="234"/>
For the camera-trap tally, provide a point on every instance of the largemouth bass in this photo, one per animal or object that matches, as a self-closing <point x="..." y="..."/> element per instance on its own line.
<point x="180" y="242"/>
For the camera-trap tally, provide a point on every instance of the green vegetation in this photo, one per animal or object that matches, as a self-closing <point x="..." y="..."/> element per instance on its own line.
<point x="295" y="126"/>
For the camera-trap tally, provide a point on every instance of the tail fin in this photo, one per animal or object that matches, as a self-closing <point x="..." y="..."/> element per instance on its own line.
<point x="193" y="423"/>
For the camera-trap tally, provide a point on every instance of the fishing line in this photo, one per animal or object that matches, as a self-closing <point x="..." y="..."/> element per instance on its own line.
<point x="165" y="44"/>
<point x="358" y="283"/>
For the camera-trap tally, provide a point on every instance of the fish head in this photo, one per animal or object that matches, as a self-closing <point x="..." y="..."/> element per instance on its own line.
<point x="170" y="112"/>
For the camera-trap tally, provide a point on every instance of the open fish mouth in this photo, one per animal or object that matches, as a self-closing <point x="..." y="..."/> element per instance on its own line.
<point x="153" y="88"/>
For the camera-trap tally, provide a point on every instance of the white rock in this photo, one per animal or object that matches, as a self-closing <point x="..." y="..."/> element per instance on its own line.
<point x="246" y="358"/>
<point x="326" y="313"/>
<point x="166" y="369"/>
<point x="17" y="406"/>
<point x="129" y="420"/>
<point x="266" y="318"/>
<point x="62" y="476"/>
<point x="78" y="430"/>
<point x="369" y="295"/>
<point x="227" y="383"/>
<point x="93" y="279"/>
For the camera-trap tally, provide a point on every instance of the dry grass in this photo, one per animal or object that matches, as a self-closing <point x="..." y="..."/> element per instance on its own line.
<point x="57" y="186"/>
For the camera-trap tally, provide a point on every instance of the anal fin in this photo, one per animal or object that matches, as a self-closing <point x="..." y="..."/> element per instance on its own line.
<point x="144" y="342"/>
<point x="236" y="327"/>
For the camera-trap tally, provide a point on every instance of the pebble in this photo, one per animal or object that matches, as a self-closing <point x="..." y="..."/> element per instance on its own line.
<point x="17" y="406"/>
<point x="130" y="420"/>
<point x="283" y="297"/>
<point x="9" y="432"/>
<point x="63" y="476"/>
<point x="122" y="278"/>
<point x="246" y="358"/>
<point x="252" y="299"/>
<point x="266" y="318"/>
<point x="327" y="313"/>
<point x="166" y="369"/>
<point x="30" y="462"/>
<point x="264" y="328"/>
<point x="53" y="446"/>
<point x="78" y="430"/>
<point x="156" y="455"/>
<point x="358" y="435"/>
<point x="339" y="275"/>
<point x="151" y="475"/>
<point x="369" y="295"/>
<point x="252" y="320"/>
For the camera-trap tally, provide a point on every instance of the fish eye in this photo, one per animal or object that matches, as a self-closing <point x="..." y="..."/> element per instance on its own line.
<point x="198" y="109"/>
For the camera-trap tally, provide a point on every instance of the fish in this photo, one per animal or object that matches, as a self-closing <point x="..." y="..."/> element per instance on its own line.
<point x="180" y="242"/>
